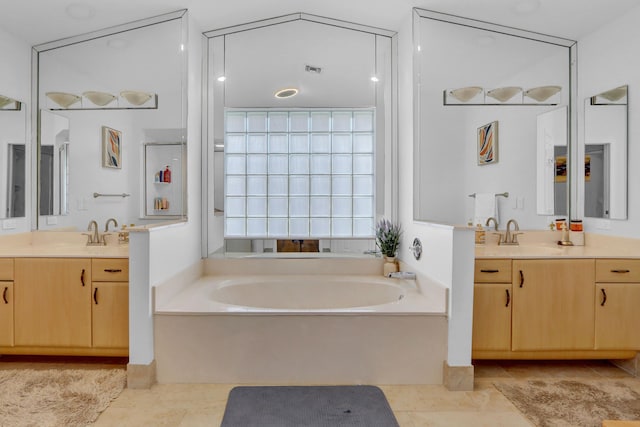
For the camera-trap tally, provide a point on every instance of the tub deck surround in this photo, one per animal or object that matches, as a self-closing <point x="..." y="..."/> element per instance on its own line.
<point x="402" y="341"/>
<point x="59" y="244"/>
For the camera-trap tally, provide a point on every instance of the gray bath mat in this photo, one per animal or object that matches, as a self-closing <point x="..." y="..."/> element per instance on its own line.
<point x="311" y="406"/>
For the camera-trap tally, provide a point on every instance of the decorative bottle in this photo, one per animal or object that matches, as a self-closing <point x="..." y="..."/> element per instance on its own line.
<point x="167" y="174"/>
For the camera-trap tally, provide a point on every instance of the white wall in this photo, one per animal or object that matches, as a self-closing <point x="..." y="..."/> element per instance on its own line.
<point x="15" y="82"/>
<point x="607" y="59"/>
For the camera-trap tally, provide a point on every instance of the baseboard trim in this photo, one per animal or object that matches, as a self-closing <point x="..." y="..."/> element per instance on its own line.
<point x="458" y="378"/>
<point x="141" y="376"/>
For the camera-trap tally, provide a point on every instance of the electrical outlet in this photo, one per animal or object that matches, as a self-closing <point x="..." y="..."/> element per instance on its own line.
<point x="52" y="220"/>
<point x="9" y="224"/>
<point x="520" y="202"/>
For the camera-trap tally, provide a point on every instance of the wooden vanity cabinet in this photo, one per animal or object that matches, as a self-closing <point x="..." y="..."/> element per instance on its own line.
<point x="6" y="302"/>
<point x="617" y="304"/>
<point x="110" y="303"/>
<point x="553" y="303"/>
<point x="492" y="305"/>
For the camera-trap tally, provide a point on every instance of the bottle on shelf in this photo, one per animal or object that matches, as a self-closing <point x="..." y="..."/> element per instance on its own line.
<point x="167" y="174"/>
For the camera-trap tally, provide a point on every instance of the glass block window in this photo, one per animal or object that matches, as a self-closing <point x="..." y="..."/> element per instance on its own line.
<point x="297" y="174"/>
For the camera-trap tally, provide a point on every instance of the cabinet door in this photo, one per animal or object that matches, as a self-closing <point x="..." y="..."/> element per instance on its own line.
<point x="492" y="316"/>
<point x="617" y="316"/>
<point x="110" y="313"/>
<point x="52" y="302"/>
<point x="6" y="314"/>
<point x="553" y="304"/>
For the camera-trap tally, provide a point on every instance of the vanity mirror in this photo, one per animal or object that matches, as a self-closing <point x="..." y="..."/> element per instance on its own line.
<point x="127" y="88"/>
<point x="519" y="75"/>
<point x="605" y="154"/>
<point x="12" y="158"/>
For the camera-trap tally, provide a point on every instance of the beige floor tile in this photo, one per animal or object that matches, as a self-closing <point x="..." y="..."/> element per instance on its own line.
<point x="404" y="418"/>
<point x="141" y="417"/>
<point x="468" y="419"/>
<point x="202" y="418"/>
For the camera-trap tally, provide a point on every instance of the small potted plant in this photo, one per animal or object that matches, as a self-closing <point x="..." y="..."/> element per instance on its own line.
<point x="388" y="240"/>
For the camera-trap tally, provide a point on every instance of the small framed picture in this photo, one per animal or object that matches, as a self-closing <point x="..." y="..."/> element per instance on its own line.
<point x="111" y="148"/>
<point x="488" y="144"/>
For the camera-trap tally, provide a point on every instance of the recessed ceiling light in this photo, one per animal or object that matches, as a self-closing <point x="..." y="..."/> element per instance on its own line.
<point x="525" y="7"/>
<point x="286" y="93"/>
<point x="222" y="78"/>
<point x="80" y="11"/>
<point x="375" y="79"/>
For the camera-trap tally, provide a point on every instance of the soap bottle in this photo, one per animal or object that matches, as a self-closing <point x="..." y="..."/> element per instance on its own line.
<point x="480" y="234"/>
<point x="167" y="174"/>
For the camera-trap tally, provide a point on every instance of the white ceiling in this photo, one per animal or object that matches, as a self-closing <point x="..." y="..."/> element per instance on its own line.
<point x="40" y="21"/>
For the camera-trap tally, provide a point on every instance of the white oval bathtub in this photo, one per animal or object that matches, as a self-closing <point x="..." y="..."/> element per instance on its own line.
<point x="307" y="292"/>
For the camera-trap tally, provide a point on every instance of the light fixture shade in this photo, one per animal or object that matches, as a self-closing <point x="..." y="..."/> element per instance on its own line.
<point x="99" y="98"/>
<point x="63" y="99"/>
<point x="286" y="93"/>
<point x="503" y="94"/>
<point x="465" y="94"/>
<point x="542" y="93"/>
<point x="614" y="95"/>
<point x="136" y="97"/>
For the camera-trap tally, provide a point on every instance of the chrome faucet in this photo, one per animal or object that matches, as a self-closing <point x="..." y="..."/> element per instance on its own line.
<point x="495" y="223"/>
<point x="106" y="225"/>
<point x="94" y="237"/>
<point x="511" y="238"/>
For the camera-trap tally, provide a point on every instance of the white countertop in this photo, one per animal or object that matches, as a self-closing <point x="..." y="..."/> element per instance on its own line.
<point x="58" y="244"/>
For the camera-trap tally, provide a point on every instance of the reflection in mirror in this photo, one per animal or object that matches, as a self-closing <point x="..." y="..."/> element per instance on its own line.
<point x="606" y="146"/>
<point x="551" y="135"/>
<point x="12" y="158"/>
<point x="129" y="80"/>
<point x="447" y="162"/>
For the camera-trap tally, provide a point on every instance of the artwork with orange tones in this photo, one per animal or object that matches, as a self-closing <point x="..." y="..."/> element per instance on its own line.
<point x="488" y="144"/>
<point x="111" y="148"/>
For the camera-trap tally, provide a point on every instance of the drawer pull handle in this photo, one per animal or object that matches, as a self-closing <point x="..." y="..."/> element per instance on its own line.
<point x="620" y="271"/>
<point x="4" y="295"/>
<point x="95" y="296"/>
<point x="82" y="277"/>
<point x="521" y="278"/>
<point x="508" y="298"/>
<point x="604" y="297"/>
<point x="113" y="270"/>
<point x="489" y="271"/>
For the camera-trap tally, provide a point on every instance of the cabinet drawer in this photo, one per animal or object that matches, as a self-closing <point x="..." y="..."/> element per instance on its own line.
<point x="110" y="269"/>
<point x="618" y="270"/>
<point x="493" y="271"/>
<point x="6" y="268"/>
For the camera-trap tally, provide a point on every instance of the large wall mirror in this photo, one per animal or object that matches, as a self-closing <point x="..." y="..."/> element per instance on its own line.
<point x="315" y="166"/>
<point x="475" y="83"/>
<point x="12" y="157"/>
<point x="101" y="98"/>
<point x="605" y="154"/>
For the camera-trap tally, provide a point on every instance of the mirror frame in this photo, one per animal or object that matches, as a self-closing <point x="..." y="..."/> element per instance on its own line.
<point x="35" y="96"/>
<point x="571" y="45"/>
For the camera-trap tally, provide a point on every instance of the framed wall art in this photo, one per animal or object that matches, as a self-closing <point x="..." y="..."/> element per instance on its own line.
<point x="111" y="148"/>
<point x="488" y="144"/>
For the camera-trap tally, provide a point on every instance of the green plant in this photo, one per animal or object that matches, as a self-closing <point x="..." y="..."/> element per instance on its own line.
<point x="388" y="237"/>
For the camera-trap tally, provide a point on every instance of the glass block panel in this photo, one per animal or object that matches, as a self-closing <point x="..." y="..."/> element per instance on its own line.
<point x="278" y="164"/>
<point x="341" y="164"/>
<point x="341" y="185"/>
<point x="320" y="227"/>
<point x="363" y="207"/>
<point x="320" y="206"/>
<point x="257" y="185"/>
<point x="299" y="185"/>
<point x="257" y="122"/>
<point x="342" y="121"/>
<point x="320" y="143"/>
<point x="298" y="206"/>
<point x="257" y="143"/>
<point x="257" y="227"/>
<point x="341" y="227"/>
<point x="320" y="164"/>
<point x="341" y="206"/>
<point x="234" y="227"/>
<point x="363" y="121"/>
<point x="236" y="185"/>
<point x="256" y="206"/>
<point x="235" y="206"/>
<point x="235" y="122"/>
<point x="299" y="164"/>
<point x="278" y="122"/>
<point x="320" y="185"/>
<point x="363" y="227"/>
<point x="278" y="206"/>
<point x="341" y="143"/>
<point x="278" y="143"/>
<point x="235" y="143"/>
<point x="278" y="185"/>
<point x="363" y="164"/>
<point x="321" y="121"/>
<point x="299" y="227"/>
<point x="299" y="122"/>
<point x="257" y="164"/>
<point x="236" y="164"/>
<point x="363" y="185"/>
<point x="363" y="143"/>
<point x="278" y="227"/>
<point x="299" y="143"/>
